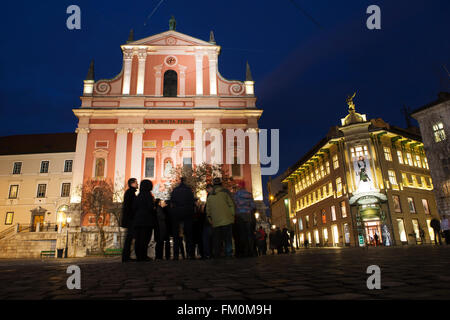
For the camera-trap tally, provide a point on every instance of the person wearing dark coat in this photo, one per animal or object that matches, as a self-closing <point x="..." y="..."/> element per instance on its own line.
<point x="279" y="240"/>
<point x="127" y="218"/>
<point x="162" y="236"/>
<point x="144" y="220"/>
<point x="182" y="211"/>
<point x="436" y="225"/>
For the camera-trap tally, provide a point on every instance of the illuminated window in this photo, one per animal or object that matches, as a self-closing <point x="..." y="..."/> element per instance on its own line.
<point x="425" y="163"/>
<point x="426" y="208"/>
<point x="409" y="158"/>
<point x="41" y="190"/>
<point x="17" y="168"/>
<point x="307" y="222"/>
<point x="439" y="132"/>
<point x="13" y="191"/>
<point x="387" y="154"/>
<point x="339" y="185"/>
<point x="330" y="188"/>
<point x="392" y="177"/>
<point x="333" y="213"/>
<point x="400" y="157"/>
<point x="405" y="179"/>
<point x="68" y="164"/>
<point x="397" y="205"/>
<point x="308" y="181"/>
<point x="324" y="191"/>
<point x="412" y="207"/>
<point x="327" y="164"/>
<point x="9" y="218"/>
<point x="319" y="195"/>
<point x="313" y="179"/>
<point x="316" y="237"/>
<point x="65" y="189"/>
<point x="343" y="209"/>
<point x="325" y="235"/>
<point x="315" y="219"/>
<point x="401" y="230"/>
<point x="324" y="216"/>
<point x="430" y="230"/>
<point x="322" y="170"/>
<point x="356" y="152"/>
<point x="100" y="168"/>
<point x="418" y="162"/>
<point x="317" y="174"/>
<point x="335" y="162"/>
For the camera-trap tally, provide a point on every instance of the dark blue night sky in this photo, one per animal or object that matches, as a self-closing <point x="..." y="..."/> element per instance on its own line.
<point x="303" y="72"/>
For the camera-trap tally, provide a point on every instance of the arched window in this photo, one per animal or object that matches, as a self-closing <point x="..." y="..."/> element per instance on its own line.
<point x="170" y="83"/>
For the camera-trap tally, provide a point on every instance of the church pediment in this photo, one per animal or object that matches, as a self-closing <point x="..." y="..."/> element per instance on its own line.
<point x="171" y="38"/>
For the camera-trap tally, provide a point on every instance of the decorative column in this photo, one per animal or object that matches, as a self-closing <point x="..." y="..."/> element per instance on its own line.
<point x="136" y="153"/>
<point x="212" y="73"/>
<point x="127" y="59"/>
<point x="142" y="55"/>
<point x="78" y="166"/>
<point x="199" y="74"/>
<point x="158" y="69"/>
<point x="255" y="169"/>
<point x="120" y="163"/>
<point x="182" y="70"/>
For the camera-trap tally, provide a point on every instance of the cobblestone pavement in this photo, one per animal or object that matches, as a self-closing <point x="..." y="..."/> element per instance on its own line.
<point x="406" y="273"/>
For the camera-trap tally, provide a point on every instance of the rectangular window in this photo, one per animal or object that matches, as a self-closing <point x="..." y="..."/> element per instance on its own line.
<point x="9" y="218"/>
<point x="68" y="165"/>
<point x="439" y="132"/>
<point x="401" y="230"/>
<point x="300" y="224"/>
<point x="322" y="170"/>
<point x="327" y="165"/>
<point x="412" y="207"/>
<point x="400" y="157"/>
<point x="425" y="163"/>
<point x="13" y="191"/>
<point x="149" y="167"/>
<point x="44" y="166"/>
<point x="42" y="188"/>
<point x="430" y="230"/>
<point x="418" y="162"/>
<point x="392" y="177"/>
<point x="313" y="179"/>
<point x="65" y="189"/>
<point x="426" y="208"/>
<point x="343" y="209"/>
<point x="17" y="168"/>
<point x="333" y="213"/>
<point x="316" y="237"/>
<point x="315" y="219"/>
<point x="387" y="154"/>
<point x="339" y="185"/>
<point x="325" y="235"/>
<point x="397" y="205"/>
<point x="409" y="158"/>
<point x="324" y="191"/>
<point x="330" y="188"/>
<point x="335" y="162"/>
<point x="307" y="222"/>
<point x="416" y="228"/>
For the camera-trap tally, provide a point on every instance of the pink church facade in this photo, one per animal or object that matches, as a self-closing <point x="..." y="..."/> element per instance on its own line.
<point x="169" y="81"/>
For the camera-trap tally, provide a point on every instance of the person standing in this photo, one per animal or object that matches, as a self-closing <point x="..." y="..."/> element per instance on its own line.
<point x="144" y="220"/>
<point x="292" y="240"/>
<point x="161" y="233"/>
<point x="445" y="229"/>
<point x="220" y="212"/>
<point x="260" y="240"/>
<point x="207" y="227"/>
<point x="182" y="201"/>
<point x="245" y="208"/>
<point x="273" y="240"/>
<point x="436" y="225"/>
<point x="279" y="241"/>
<point x="127" y="218"/>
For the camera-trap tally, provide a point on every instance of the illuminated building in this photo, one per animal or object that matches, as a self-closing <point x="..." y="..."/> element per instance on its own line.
<point x="434" y="122"/>
<point x="363" y="178"/>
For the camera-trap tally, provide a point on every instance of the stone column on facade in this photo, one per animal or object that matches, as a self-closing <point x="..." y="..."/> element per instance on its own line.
<point x="182" y="70"/>
<point x="136" y="153"/>
<point x="120" y="163"/>
<point x="142" y="55"/>
<point x="158" y="91"/>
<point x="78" y="166"/>
<point x="212" y="57"/>
<point x="127" y="64"/>
<point x="199" y="74"/>
<point x="255" y="170"/>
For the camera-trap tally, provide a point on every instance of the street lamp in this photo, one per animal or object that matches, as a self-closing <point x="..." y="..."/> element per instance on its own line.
<point x="68" y="219"/>
<point x="257" y="215"/>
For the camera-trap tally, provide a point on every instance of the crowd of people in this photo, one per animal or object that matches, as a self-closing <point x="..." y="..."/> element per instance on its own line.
<point x="186" y="226"/>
